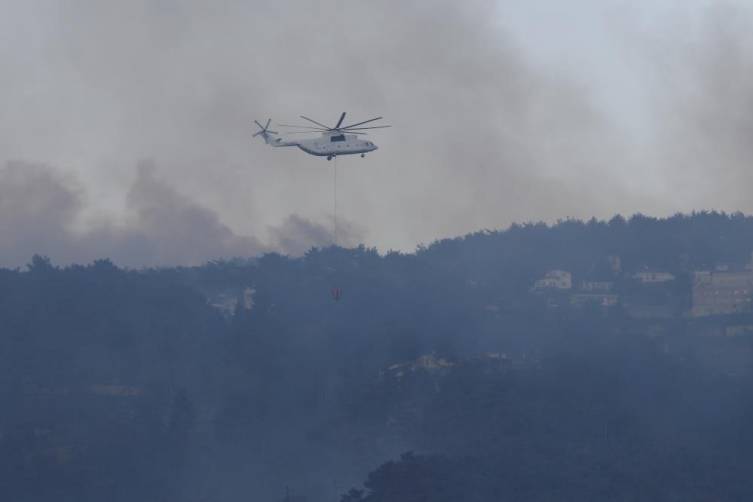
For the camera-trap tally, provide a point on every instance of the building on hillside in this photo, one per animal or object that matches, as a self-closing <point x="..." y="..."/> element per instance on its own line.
<point x="248" y="298"/>
<point x="225" y="302"/>
<point x="229" y="301"/>
<point x="722" y="293"/>
<point x="600" y="299"/>
<point x="653" y="277"/>
<point x="596" y="286"/>
<point x="429" y="363"/>
<point x="554" y="280"/>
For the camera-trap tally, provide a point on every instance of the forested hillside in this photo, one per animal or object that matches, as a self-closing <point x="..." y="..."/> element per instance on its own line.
<point x="444" y="374"/>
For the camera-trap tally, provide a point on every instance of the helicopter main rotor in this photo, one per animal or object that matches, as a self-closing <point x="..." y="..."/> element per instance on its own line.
<point x="350" y="129"/>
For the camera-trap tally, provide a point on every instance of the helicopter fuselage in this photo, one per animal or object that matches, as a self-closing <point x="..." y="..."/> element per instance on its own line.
<point x="330" y="145"/>
<point x="336" y="144"/>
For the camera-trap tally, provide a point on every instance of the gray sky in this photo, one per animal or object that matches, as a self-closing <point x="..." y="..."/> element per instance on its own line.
<point x="125" y="127"/>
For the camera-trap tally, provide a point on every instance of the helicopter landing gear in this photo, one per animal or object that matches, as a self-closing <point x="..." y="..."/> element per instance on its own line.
<point x="329" y="157"/>
<point x="363" y="155"/>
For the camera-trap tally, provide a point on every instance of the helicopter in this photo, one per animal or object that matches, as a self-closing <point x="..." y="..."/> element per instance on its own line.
<point x="333" y="142"/>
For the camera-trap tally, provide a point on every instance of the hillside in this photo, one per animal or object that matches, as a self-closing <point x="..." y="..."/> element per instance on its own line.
<point x="580" y="361"/>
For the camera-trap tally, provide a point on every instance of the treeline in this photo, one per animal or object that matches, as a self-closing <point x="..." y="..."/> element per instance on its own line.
<point x="129" y="384"/>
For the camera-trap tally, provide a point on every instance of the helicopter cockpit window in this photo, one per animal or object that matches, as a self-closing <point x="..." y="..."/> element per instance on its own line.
<point x="340" y="137"/>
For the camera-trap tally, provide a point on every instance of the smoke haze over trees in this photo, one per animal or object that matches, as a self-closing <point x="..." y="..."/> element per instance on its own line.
<point x="236" y="379"/>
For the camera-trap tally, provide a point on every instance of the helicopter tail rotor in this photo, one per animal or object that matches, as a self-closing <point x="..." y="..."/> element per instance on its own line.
<point x="264" y="131"/>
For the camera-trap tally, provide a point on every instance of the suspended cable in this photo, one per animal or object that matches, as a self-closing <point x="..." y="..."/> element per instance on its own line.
<point x="335" y="198"/>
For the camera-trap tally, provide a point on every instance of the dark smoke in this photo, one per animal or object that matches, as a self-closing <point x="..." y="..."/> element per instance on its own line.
<point x="40" y="209"/>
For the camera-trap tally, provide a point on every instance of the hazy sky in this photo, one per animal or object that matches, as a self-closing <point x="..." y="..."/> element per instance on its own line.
<point x="125" y="127"/>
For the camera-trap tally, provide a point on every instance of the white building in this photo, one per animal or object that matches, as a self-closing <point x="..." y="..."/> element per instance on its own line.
<point x="596" y="286"/>
<point x="721" y="293"/>
<point x="248" y="298"/>
<point x="652" y="277"/>
<point x="602" y="299"/>
<point x="554" y="279"/>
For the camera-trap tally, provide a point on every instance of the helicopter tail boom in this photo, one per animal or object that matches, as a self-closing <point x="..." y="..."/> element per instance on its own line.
<point x="270" y="137"/>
